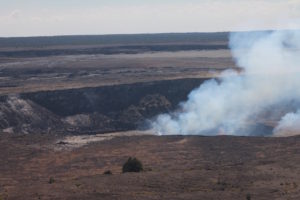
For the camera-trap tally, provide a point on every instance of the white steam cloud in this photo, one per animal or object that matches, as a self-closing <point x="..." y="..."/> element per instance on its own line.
<point x="242" y="103"/>
<point x="289" y="125"/>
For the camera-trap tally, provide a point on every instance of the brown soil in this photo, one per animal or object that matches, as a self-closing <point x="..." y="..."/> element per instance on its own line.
<point x="176" y="167"/>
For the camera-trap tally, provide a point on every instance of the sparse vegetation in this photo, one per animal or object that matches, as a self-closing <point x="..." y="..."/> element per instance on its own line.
<point x="132" y="165"/>
<point x="78" y="185"/>
<point x="51" y="180"/>
<point x="221" y="185"/>
<point x="248" y="196"/>
<point x="107" y="172"/>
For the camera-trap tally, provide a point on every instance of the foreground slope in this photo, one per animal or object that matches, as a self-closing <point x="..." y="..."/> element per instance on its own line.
<point x="176" y="167"/>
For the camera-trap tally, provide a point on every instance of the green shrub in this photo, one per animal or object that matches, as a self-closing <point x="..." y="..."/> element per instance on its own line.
<point x="132" y="165"/>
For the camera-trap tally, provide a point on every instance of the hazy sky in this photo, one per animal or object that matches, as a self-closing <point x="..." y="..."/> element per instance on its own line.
<point x="69" y="17"/>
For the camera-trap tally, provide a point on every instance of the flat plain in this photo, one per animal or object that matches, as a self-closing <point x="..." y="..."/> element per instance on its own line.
<point x="175" y="167"/>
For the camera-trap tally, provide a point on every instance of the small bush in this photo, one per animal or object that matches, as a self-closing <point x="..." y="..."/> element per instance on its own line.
<point x="132" y="165"/>
<point x="51" y="180"/>
<point x="77" y="184"/>
<point x="107" y="172"/>
<point x="248" y="196"/>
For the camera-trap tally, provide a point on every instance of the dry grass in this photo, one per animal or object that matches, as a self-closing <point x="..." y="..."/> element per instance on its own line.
<point x="175" y="167"/>
<point x="65" y="72"/>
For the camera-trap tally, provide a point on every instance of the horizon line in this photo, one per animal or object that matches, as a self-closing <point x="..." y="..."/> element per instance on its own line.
<point x="158" y="33"/>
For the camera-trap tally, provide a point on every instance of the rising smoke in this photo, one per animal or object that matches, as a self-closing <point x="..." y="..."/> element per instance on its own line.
<point x="268" y="88"/>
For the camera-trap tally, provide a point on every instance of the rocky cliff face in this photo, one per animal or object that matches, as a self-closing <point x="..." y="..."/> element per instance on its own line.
<point x="92" y="110"/>
<point x="24" y="116"/>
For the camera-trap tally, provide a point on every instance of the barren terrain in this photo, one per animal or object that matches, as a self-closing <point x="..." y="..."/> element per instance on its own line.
<point x="70" y="71"/>
<point x="176" y="167"/>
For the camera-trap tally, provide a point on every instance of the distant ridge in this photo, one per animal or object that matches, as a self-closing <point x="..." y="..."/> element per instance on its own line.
<point x="119" y="39"/>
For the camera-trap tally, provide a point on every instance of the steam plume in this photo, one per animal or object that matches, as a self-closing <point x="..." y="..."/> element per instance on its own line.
<point x="289" y="125"/>
<point x="234" y="104"/>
